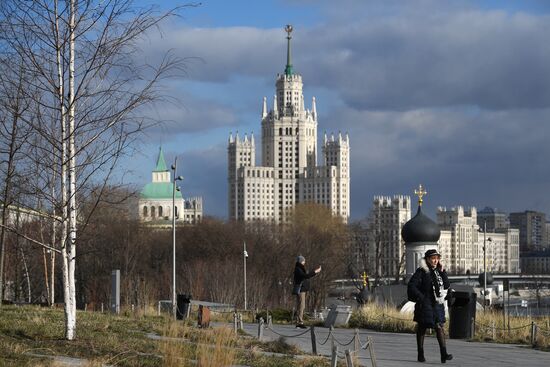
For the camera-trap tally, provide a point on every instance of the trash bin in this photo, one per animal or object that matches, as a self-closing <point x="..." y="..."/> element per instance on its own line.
<point x="462" y="309"/>
<point x="338" y="315"/>
<point x="182" y="306"/>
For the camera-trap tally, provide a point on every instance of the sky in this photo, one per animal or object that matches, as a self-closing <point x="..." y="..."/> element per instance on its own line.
<point x="451" y="94"/>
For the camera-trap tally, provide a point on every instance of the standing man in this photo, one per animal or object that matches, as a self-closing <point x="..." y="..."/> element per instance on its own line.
<point x="301" y="286"/>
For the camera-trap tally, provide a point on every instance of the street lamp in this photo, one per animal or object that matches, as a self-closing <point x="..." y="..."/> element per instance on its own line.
<point x="245" y="256"/>
<point x="178" y="178"/>
<point x="485" y="239"/>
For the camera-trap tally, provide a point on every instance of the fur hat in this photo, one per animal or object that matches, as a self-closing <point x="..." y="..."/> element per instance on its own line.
<point x="300" y="259"/>
<point x="430" y="253"/>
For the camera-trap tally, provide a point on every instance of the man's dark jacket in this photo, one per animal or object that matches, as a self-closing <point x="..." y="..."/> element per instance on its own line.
<point x="302" y="276"/>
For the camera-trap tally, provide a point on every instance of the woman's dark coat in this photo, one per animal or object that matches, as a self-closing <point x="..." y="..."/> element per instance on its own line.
<point x="420" y="290"/>
<point x="302" y="276"/>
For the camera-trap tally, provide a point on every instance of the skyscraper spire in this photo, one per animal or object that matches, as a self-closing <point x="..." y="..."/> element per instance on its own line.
<point x="288" y="68"/>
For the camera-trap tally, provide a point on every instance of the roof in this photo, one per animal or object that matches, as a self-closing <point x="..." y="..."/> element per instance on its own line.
<point x="159" y="190"/>
<point x="420" y="229"/>
<point x="161" y="164"/>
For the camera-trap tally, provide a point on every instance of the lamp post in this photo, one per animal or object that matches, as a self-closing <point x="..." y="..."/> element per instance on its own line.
<point x="178" y="178"/>
<point x="245" y="256"/>
<point x="485" y="239"/>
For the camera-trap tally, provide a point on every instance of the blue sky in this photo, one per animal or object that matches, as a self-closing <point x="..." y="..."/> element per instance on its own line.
<point x="453" y="94"/>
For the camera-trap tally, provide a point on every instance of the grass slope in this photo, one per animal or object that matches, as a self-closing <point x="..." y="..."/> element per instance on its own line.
<point x="122" y="341"/>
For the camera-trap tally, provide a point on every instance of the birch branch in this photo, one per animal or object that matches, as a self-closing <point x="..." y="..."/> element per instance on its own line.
<point x="13" y="230"/>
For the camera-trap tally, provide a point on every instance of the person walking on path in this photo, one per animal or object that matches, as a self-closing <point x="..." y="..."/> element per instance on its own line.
<point x="428" y="288"/>
<point x="301" y="287"/>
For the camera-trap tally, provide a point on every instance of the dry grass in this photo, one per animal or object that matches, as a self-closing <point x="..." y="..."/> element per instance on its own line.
<point x="176" y="352"/>
<point x="104" y="338"/>
<point x="216" y="348"/>
<point x="489" y="325"/>
<point x="382" y="318"/>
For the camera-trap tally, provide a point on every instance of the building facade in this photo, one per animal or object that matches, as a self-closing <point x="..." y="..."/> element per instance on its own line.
<point x="156" y="199"/>
<point x="385" y="247"/>
<point x="532" y="229"/>
<point x="493" y="219"/>
<point x="535" y="262"/>
<point x="289" y="173"/>
<point x="461" y="244"/>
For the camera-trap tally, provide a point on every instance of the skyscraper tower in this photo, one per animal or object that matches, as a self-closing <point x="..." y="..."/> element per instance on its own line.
<point x="289" y="173"/>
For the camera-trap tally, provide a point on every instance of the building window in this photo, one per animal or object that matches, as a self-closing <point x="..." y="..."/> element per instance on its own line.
<point x="160" y="211"/>
<point x="145" y="211"/>
<point x="153" y="213"/>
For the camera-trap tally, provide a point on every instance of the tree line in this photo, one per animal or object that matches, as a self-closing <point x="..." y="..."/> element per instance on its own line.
<point x="209" y="260"/>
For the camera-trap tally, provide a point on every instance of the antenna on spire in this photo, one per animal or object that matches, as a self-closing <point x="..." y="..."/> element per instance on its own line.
<point x="288" y="68"/>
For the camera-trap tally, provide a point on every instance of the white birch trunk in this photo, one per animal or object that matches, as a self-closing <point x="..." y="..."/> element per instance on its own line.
<point x="71" y="307"/>
<point x="46" y="277"/>
<point x="69" y="323"/>
<point x="52" y="260"/>
<point x="27" y="276"/>
<point x="51" y="294"/>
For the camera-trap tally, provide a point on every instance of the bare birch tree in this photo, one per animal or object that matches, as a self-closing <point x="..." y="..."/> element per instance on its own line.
<point x="85" y="59"/>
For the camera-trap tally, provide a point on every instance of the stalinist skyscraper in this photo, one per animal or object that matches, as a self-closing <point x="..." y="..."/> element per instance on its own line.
<point x="289" y="173"/>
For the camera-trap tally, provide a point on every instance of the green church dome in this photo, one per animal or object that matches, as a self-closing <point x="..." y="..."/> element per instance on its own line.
<point x="159" y="190"/>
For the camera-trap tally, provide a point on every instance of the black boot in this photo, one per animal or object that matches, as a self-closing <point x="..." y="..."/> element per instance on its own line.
<point x="444" y="356"/>
<point x="421" y="355"/>
<point x="420" y="332"/>
<point x="440" y="333"/>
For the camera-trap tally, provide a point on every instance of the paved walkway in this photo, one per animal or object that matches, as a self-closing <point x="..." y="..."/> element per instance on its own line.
<point x="396" y="350"/>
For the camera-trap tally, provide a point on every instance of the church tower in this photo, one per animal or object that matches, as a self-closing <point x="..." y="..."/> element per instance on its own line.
<point x="156" y="199"/>
<point x="420" y="235"/>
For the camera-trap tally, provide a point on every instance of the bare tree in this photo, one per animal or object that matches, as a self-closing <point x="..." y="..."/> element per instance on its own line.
<point x="13" y="105"/>
<point x="84" y="58"/>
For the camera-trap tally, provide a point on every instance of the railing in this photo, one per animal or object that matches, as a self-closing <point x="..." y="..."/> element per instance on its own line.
<point x="349" y="348"/>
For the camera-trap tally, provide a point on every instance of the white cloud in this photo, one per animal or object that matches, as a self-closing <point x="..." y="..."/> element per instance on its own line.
<point x="455" y="97"/>
<point x="189" y="114"/>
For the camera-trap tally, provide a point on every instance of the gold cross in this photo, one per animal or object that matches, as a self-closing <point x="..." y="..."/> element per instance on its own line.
<point x="420" y="193"/>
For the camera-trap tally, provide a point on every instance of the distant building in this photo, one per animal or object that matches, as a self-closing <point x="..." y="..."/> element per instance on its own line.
<point x="535" y="262"/>
<point x="532" y="229"/>
<point x="493" y="218"/>
<point x="289" y="173"/>
<point x="461" y="243"/>
<point x="155" y="200"/>
<point x="18" y="214"/>
<point x="385" y="247"/>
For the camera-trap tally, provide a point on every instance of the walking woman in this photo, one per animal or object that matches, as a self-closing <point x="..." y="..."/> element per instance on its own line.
<point x="428" y="288"/>
<point x="301" y="287"/>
